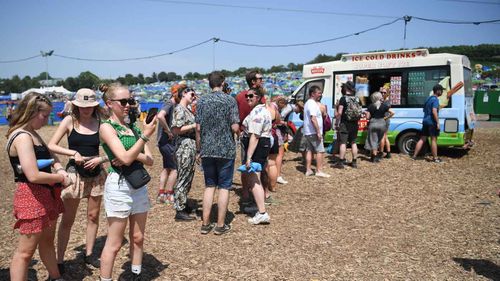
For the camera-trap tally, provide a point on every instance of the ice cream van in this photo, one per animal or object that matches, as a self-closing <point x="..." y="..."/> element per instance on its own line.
<point x="409" y="75"/>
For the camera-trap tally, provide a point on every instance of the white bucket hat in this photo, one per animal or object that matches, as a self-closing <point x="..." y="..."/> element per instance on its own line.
<point x="85" y="98"/>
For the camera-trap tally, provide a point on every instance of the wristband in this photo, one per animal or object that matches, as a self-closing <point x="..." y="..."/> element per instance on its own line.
<point x="75" y="153"/>
<point x="59" y="169"/>
<point x="144" y="138"/>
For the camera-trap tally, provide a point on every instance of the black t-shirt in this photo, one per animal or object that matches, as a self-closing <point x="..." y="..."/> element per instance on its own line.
<point x="343" y="103"/>
<point x="378" y="113"/>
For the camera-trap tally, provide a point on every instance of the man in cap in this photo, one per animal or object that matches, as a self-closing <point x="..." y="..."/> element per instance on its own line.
<point x="430" y="123"/>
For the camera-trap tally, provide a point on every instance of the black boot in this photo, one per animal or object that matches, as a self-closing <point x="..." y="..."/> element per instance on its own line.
<point x="183" y="216"/>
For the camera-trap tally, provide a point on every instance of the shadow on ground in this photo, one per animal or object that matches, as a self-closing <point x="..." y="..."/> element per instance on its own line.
<point x="482" y="267"/>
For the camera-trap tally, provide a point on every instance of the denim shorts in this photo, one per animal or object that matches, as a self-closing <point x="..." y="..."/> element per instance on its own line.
<point x="218" y="172"/>
<point x="121" y="200"/>
<point x="314" y="144"/>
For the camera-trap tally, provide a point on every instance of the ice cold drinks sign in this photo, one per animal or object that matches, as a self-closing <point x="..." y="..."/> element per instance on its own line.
<point x="384" y="56"/>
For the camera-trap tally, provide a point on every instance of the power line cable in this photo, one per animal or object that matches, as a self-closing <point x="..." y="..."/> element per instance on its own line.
<point x="270" y="9"/>
<point x="309" y="43"/>
<point x="137" y="58"/>
<point x="474" y="2"/>
<point x="457" y="22"/>
<point x="19" y="60"/>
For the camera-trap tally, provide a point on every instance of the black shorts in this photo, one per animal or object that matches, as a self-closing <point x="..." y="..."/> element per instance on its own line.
<point x="348" y="132"/>
<point x="276" y="147"/>
<point x="168" y="155"/>
<point x="261" y="151"/>
<point x="429" y="130"/>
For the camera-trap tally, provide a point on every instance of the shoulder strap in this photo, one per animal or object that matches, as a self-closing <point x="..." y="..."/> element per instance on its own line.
<point x="11" y="140"/>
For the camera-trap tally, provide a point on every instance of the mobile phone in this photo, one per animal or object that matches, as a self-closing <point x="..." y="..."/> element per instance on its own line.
<point x="151" y="114"/>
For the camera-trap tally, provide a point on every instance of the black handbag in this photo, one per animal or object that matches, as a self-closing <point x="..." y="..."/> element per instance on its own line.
<point x="135" y="174"/>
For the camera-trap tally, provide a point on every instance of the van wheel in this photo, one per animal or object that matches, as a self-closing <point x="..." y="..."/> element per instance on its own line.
<point x="407" y="143"/>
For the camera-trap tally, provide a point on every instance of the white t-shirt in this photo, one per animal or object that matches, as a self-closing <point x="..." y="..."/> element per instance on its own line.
<point x="311" y="108"/>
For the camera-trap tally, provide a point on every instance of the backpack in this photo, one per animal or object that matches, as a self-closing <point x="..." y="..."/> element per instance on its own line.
<point x="353" y="110"/>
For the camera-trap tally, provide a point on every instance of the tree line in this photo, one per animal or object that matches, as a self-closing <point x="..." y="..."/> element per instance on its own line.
<point x="488" y="54"/>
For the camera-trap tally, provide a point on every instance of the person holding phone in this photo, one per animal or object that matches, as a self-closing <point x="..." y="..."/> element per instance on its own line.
<point x="123" y="203"/>
<point x="184" y="127"/>
<point x="430" y="123"/>
<point x="37" y="201"/>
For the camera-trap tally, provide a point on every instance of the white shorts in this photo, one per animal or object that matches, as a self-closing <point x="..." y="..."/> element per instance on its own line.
<point x="121" y="200"/>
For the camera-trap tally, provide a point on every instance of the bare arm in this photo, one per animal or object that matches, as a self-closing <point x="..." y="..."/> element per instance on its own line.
<point x="162" y="120"/>
<point x="109" y="136"/>
<point x="252" y="145"/>
<point x="23" y="145"/>
<point x="435" y="115"/>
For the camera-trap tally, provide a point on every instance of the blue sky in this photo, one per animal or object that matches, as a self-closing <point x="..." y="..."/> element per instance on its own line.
<point x="112" y="29"/>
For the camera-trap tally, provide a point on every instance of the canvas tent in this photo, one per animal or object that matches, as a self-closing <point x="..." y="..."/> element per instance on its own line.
<point x="47" y="90"/>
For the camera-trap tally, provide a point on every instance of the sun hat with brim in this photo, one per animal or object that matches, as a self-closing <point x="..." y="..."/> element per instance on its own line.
<point x="85" y="98"/>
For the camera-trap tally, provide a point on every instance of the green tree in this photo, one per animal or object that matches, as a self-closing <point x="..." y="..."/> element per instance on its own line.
<point x="71" y="84"/>
<point x="89" y="80"/>
<point x="162" y="76"/>
<point x="140" y="78"/>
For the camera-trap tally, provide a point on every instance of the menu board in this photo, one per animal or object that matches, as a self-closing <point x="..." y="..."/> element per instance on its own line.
<point x="417" y="87"/>
<point x="395" y="90"/>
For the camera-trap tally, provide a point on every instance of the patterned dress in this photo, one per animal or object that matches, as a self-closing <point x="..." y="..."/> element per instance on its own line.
<point x="185" y="155"/>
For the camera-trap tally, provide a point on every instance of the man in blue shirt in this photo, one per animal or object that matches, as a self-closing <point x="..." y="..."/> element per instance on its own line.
<point x="430" y="123"/>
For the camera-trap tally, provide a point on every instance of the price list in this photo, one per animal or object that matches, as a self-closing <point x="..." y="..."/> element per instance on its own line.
<point x="395" y="90"/>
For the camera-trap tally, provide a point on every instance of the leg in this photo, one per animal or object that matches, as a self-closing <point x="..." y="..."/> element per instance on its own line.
<point x="47" y="250"/>
<point x="68" y="218"/>
<point x="343" y="148"/>
<point x="354" y="148"/>
<point x="116" y="228"/>
<point x="136" y="236"/>
<point x="319" y="162"/>
<point x="272" y="172"/>
<point x="171" y="178"/>
<point x="419" y="145"/>
<point x="93" y="208"/>
<point x="208" y="198"/>
<point x="308" y="161"/>
<point x="163" y="181"/>
<point x="434" y="147"/>
<point x="222" y="203"/>
<point x="257" y="191"/>
<point x="26" y="247"/>
<point x="279" y="159"/>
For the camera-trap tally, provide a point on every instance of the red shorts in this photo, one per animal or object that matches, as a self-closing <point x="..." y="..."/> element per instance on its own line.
<point x="35" y="207"/>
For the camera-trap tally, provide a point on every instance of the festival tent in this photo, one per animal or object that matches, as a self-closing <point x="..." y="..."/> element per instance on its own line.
<point x="47" y="90"/>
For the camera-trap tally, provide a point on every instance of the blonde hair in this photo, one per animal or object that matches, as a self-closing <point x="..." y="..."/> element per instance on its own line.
<point x="108" y="93"/>
<point x="29" y="106"/>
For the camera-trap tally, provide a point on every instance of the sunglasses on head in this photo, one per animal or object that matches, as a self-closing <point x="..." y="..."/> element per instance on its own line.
<point x="123" y="102"/>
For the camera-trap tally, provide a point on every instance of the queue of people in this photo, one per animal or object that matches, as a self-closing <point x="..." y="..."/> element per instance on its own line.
<point x="191" y="130"/>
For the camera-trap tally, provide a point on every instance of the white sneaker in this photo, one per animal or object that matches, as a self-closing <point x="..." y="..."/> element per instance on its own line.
<point x="281" y="180"/>
<point x="260" y="218"/>
<point x="309" y="173"/>
<point x="322" y="175"/>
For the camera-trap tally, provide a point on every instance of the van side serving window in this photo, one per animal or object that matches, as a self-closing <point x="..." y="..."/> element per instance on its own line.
<point x="303" y="93"/>
<point x="408" y="87"/>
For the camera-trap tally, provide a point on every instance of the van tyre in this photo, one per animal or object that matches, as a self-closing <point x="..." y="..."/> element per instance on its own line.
<point x="407" y="142"/>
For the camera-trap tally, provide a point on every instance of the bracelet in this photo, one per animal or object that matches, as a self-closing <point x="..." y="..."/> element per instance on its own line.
<point x="144" y="138"/>
<point x="75" y="153"/>
<point x="59" y="169"/>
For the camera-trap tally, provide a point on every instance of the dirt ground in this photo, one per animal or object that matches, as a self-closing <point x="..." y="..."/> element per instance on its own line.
<point x="396" y="220"/>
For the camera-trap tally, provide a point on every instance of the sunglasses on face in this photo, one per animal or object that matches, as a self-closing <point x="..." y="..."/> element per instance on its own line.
<point x="249" y="96"/>
<point x="123" y="102"/>
<point x="259" y="78"/>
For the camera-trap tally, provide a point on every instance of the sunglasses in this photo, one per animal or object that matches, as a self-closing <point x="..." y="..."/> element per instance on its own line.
<point x="249" y="96"/>
<point x="123" y="102"/>
<point x="259" y="78"/>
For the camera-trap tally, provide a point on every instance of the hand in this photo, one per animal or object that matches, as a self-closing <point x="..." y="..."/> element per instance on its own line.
<point x="170" y="135"/>
<point x="320" y="136"/>
<point x="247" y="164"/>
<point x="67" y="181"/>
<point x="437" y="126"/>
<point x="92" y="163"/>
<point x="116" y="162"/>
<point x="78" y="158"/>
<point x="63" y="172"/>
<point x="149" y="129"/>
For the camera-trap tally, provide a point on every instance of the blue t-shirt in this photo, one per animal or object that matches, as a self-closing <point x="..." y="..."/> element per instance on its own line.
<point x="430" y="103"/>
